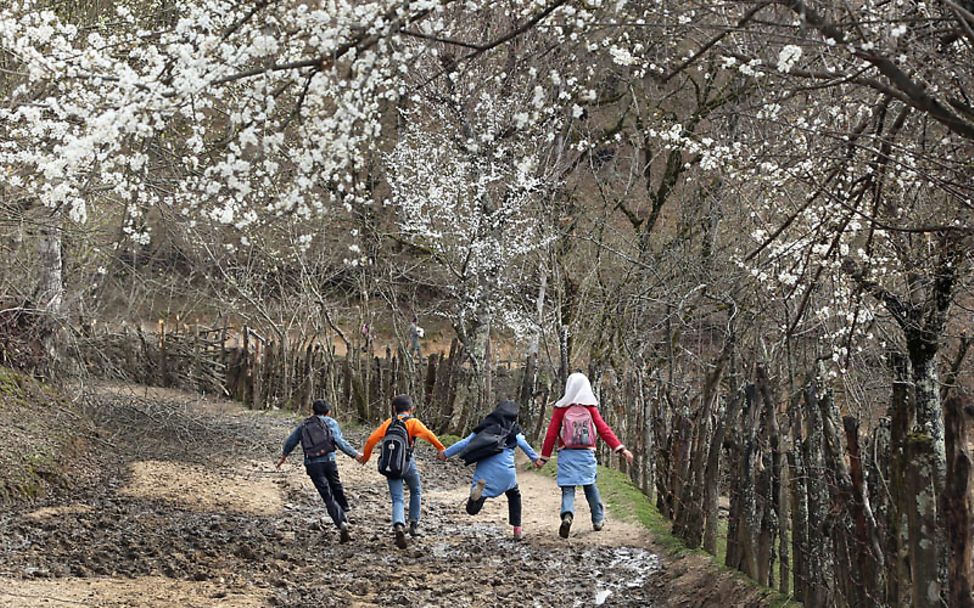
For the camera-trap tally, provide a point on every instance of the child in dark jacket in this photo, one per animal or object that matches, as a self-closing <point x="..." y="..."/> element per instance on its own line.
<point x="496" y="474"/>
<point x="322" y="468"/>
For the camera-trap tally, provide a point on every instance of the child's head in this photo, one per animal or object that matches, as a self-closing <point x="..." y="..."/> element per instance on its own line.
<point x="320" y="407"/>
<point x="402" y="404"/>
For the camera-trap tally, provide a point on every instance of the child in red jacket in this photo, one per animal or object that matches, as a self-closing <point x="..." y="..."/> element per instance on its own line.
<point x="575" y="424"/>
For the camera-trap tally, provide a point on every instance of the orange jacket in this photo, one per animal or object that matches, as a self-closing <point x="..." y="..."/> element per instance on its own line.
<point x="414" y="427"/>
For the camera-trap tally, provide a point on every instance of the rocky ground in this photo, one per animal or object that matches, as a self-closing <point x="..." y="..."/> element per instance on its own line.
<point x="186" y="509"/>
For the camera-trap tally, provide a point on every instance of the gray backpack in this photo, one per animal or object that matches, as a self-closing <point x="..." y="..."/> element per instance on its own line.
<point x="316" y="439"/>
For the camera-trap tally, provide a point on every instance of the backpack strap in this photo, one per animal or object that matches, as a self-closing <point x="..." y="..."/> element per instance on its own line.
<point x="409" y="438"/>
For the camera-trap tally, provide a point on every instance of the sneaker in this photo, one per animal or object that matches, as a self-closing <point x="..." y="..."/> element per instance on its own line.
<point x="518" y="533"/>
<point x="343" y="535"/>
<point x="414" y="528"/>
<point x="597" y="526"/>
<point x="566" y="525"/>
<point x="400" y="532"/>
<point x="478" y="490"/>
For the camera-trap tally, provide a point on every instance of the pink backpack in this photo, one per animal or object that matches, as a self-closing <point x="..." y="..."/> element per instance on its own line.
<point x="578" y="428"/>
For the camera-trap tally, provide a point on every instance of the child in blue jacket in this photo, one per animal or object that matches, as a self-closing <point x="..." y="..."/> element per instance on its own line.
<point x="496" y="474"/>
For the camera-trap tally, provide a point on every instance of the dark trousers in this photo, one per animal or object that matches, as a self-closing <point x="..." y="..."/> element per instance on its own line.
<point x="513" y="505"/>
<point x="337" y="490"/>
<point x="325" y="477"/>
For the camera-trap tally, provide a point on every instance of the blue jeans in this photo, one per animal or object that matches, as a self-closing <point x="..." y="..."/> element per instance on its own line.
<point x="591" y="495"/>
<point x="411" y="478"/>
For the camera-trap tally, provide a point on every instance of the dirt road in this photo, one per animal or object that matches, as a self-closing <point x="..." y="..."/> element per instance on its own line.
<point x="188" y="510"/>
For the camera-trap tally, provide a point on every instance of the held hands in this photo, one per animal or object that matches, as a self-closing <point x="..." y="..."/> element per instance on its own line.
<point x="441" y="456"/>
<point x="360" y="459"/>
<point x="539" y="463"/>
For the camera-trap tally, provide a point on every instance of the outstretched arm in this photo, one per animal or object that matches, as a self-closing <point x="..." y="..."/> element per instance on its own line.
<point x="373" y="439"/>
<point x="526" y="447"/>
<point x="457" y="447"/>
<point x="605" y="432"/>
<point x="418" y="429"/>
<point x="289" y="444"/>
<point x="340" y="443"/>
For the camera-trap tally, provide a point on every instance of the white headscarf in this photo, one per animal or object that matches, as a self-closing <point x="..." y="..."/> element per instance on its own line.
<point x="578" y="391"/>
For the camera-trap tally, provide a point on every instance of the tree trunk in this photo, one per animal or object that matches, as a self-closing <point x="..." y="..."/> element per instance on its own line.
<point x="680" y="467"/>
<point x="898" y="575"/>
<point x="564" y="355"/>
<point x="848" y="578"/>
<point x="649" y="445"/>
<point x="474" y="332"/>
<point x="784" y="525"/>
<point x="877" y="467"/>
<point x="799" y="519"/>
<point x="818" y="591"/>
<point x="696" y="504"/>
<point x="770" y="479"/>
<point x="688" y="523"/>
<point x="726" y="418"/>
<point x="929" y="417"/>
<point x="868" y="552"/>
<point x="743" y="518"/>
<point x="922" y="521"/>
<point x="50" y="285"/>
<point x="958" y="502"/>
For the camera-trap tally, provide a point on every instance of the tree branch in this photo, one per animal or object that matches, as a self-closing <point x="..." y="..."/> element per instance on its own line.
<point x="915" y="94"/>
<point x="713" y="41"/>
<point x="900" y="311"/>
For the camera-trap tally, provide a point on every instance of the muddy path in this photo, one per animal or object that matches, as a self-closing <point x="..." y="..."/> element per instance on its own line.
<point x="188" y="510"/>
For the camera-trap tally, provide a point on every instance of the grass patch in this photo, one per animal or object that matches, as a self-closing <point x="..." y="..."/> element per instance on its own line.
<point x="41" y="437"/>
<point x="11" y="385"/>
<point x="627" y="502"/>
<point x="449" y="440"/>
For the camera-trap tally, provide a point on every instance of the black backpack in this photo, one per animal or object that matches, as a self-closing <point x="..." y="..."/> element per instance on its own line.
<point x="395" y="450"/>
<point x="316" y="439"/>
<point x="485" y="444"/>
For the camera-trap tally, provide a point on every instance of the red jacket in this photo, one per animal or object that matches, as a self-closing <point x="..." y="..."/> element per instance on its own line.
<point x="554" y="431"/>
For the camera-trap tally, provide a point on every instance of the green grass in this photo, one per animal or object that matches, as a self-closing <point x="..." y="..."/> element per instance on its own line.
<point x="627" y="502"/>
<point x="12" y="384"/>
<point x="449" y="440"/>
<point x="36" y="448"/>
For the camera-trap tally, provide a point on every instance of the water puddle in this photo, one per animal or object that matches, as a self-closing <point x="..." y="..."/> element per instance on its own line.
<point x="617" y="570"/>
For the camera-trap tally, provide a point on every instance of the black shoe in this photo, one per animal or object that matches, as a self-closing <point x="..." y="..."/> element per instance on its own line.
<point x="414" y="528"/>
<point x="343" y="535"/>
<point x="566" y="525"/>
<point x="400" y="532"/>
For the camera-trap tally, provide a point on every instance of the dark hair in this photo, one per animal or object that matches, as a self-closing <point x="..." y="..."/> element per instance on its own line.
<point x="402" y="403"/>
<point x="320" y="407"/>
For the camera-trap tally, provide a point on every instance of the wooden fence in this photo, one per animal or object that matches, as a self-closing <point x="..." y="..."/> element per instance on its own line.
<point x="262" y="371"/>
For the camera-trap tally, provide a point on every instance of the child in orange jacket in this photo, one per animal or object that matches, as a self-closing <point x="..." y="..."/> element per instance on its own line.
<point x="403" y="406"/>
